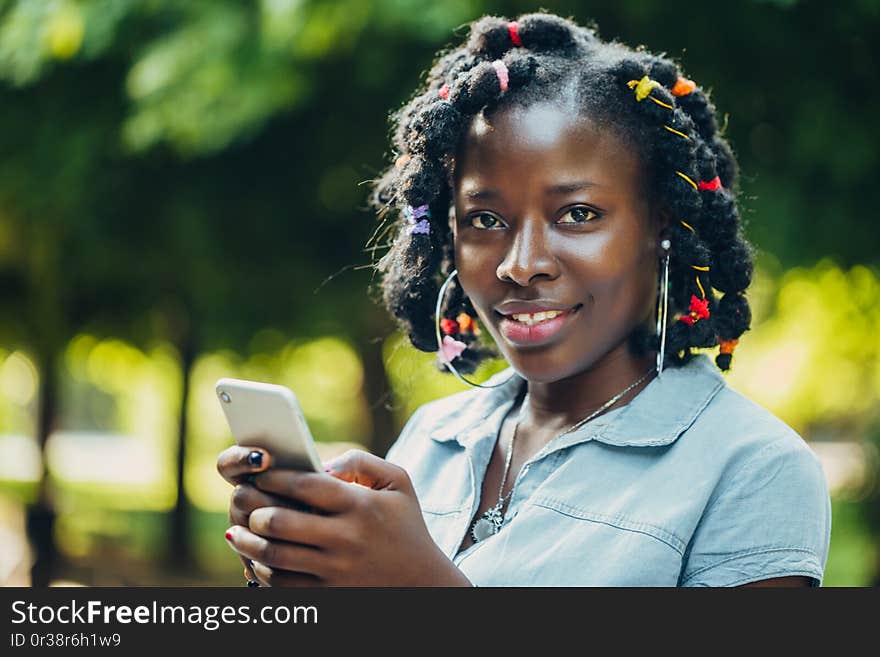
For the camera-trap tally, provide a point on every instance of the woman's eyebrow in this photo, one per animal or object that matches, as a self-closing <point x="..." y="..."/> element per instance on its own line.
<point x="478" y="194"/>
<point x="561" y="188"/>
<point x="569" y="187"/>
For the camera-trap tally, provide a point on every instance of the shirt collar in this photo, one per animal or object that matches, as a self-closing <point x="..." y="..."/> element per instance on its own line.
<point x="657" y="416"/>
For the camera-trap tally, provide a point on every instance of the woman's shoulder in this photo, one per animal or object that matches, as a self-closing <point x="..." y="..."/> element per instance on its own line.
<point x="768" y="509"/>
<point x="738" y="424"/>
<point x="763" y="470"/>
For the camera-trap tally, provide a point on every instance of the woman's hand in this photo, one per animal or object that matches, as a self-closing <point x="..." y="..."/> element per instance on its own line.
<point x="366" y="528"/>
<point x="236" y="465"/>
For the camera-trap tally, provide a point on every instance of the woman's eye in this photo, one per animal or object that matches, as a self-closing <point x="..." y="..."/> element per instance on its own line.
<point x="579" y="216"/>
<point x="484" y="221"/>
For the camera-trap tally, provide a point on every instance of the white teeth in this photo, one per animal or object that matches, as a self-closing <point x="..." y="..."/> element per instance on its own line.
<point x="534" y="318"/>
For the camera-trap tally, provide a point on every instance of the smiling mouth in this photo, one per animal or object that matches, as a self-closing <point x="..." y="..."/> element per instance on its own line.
<point x="533" y="319"/>
<point x="535" y="329"/>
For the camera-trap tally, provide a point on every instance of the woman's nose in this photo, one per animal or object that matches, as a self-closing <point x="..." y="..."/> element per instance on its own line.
<point x="529" y="256"/>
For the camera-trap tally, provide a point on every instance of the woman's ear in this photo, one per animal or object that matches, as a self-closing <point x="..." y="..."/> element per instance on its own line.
<point x="662" y="217"/>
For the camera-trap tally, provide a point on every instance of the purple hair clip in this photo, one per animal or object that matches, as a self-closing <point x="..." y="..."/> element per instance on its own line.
<point x="417" y="212"/>
<point x="421" y="227"/>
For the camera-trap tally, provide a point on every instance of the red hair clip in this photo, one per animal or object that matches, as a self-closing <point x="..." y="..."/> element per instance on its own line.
<point x="513" y="28"/>
<point x="712" y="185"/>
<point x="448" y="326"/>
<point x="699" y="309"/>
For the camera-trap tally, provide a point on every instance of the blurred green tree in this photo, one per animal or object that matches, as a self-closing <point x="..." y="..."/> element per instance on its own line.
<point x="190" y="171"/>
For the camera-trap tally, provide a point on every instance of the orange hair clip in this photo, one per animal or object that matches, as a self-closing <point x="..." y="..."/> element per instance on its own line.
<point x="727" y="346"/>
<point x="683" y="87"/>
<point x="466" y="323"/>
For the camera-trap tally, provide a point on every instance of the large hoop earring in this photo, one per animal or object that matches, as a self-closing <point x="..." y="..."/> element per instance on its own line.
<point x="448" y="364"/>
<point x="663" y="307"/>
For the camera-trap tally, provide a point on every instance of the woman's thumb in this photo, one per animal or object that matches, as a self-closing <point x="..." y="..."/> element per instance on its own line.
<point x="360" y="467"/>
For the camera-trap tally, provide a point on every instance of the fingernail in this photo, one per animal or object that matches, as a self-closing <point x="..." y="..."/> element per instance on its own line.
<point x="255" y="459"/>
<point x="252" y="583"/>
<point x="228" y="534"/>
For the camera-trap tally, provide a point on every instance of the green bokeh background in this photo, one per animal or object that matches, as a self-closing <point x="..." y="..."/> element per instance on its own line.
<point x="182" y="197"/>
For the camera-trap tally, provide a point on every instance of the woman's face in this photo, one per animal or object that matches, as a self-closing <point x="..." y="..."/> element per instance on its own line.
<point x="550" y="215"/>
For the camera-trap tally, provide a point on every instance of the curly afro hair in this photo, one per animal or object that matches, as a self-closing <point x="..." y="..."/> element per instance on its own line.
<point x="668" y="119"/>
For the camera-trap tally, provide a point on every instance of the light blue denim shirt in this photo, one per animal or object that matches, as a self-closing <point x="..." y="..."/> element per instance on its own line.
<point x="690" y="484"/>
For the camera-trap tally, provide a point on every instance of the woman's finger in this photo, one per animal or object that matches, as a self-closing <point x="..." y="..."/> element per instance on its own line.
<point x="274" y="577"/>
<point x="314" y="489"/>
<point x="276" y="554"/>
<point x="235" y="463"/>
<point x="245" y="498"/>
<point x="294" y="526"/>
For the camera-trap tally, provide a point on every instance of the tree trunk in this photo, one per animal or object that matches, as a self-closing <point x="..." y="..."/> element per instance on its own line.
<point x="41" y="514"/>
<point x="180" y="556"/>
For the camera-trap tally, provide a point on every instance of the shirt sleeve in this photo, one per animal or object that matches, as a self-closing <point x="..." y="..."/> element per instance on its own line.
<point x="773" y="520"/>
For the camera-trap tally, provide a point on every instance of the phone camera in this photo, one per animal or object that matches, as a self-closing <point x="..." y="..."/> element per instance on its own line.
<point x="225" y="397"/>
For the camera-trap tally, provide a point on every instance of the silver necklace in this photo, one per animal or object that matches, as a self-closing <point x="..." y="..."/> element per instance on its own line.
<point x="490" y="522"/>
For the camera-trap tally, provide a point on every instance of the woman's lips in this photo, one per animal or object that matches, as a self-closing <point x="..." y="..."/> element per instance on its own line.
<point x="534" y="335"/>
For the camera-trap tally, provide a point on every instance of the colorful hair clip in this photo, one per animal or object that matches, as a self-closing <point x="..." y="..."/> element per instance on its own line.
<point x="683" y="87"/>
<point x="643" y="89"/>
<point x="677" y="132"/>
<point x="450" y="350"/>
<point x="444" y="91"/>
<point x="420" y="228"/>
<point x="513" y="28"/>
<point x="712" y="185"/>
<point x="467" y="324"/>
<point x="448" y="326"/>
<point x="688" y="180"/>
<point x="417" y="212"/>
<point x="727" y="346"/>
<point x="699" y="309"/>
<point x="502" y="73"/>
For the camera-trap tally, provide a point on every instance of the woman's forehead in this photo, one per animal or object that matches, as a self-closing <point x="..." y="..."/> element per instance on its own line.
<point x="542" y="141"/>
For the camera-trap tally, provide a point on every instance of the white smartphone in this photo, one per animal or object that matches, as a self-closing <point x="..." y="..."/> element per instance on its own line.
<point x="269" y="416"/>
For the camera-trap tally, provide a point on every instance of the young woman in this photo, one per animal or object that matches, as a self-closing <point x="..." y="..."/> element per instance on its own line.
<point x="574" y="200"/>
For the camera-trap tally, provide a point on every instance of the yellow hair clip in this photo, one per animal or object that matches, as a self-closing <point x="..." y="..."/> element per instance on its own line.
<point x="688" y="180"/>
<point x="643" y="87"/>
<point x="700" y="285"/>
<point x="673" y="130"/>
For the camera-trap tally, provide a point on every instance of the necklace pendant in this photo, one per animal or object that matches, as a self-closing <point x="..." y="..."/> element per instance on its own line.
<point x="487" y="525"/>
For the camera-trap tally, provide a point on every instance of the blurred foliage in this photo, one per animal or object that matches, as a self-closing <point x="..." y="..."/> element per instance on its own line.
<point x="814" y="357"/>
<point x="181" y="192"/>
